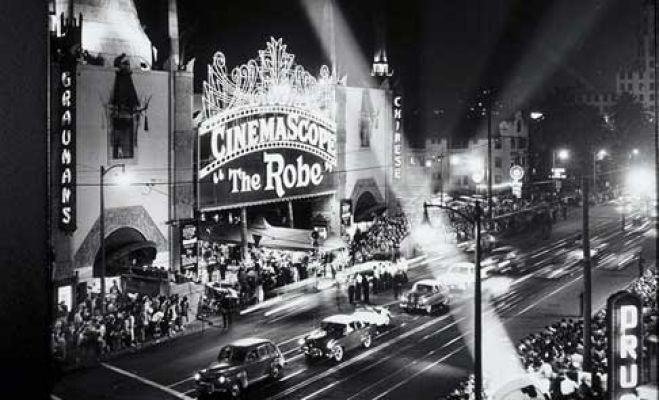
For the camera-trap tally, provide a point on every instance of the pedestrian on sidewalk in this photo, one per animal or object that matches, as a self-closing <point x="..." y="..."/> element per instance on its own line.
<point x="366" y="290"/>
<point x="641" y="265"/>
<point x="225" y="316"/>
<point x="398" y="284"/>
<point x="338" y="295"/>
<point x="351" y="291"/>
<point x="358" y="287"/>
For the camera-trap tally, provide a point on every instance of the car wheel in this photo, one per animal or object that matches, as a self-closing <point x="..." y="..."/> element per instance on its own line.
<point x="337" y="353"/>
<point x="276" y="372"/>
<point x="368" y="340"/>
<point x="236" y="390"/>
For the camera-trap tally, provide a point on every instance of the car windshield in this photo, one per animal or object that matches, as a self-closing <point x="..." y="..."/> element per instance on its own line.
<point x="232" y="354"/>
<point x="423" y="288"/>
<point x="333" y="329"/>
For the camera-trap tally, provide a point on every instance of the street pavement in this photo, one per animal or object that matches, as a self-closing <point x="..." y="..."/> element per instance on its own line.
<point x="419" y="357"/>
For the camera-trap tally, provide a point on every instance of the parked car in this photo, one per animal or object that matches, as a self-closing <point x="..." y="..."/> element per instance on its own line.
<point x="239" y="365"/>
<point x="428" y="295"/>
<point x="379" y="317"/>
<point x="337" y="335"/>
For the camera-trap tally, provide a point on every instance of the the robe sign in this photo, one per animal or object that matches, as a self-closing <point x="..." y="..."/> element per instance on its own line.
<point x="64" y="140"/>
<point x="625" y="326"/>
<point x="265" y="154"/>
<point x="398" y="138"/>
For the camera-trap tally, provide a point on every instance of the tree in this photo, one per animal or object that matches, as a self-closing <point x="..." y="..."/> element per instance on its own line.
<point x="577" y="127"/>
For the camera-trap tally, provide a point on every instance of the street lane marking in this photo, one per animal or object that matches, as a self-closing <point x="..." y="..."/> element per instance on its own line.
<point x="147" y="382"/>
<point x="535" y="303"/>
<point x="455" y="339"/>
<point x="356" y="359"/>
<point x="291" y="375"/>
<point x="296" y="357"/>
<point x="53" y="397"/>
<point x="441" y="330"/>
<point x="291" y="339"/>
<point x="405" y="381"/>
<point x="181" y="381"/>
<point x="294" y="349"/>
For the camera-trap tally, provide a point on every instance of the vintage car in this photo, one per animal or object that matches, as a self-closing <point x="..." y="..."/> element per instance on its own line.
<point x="428" y="295"/>
<point x="379" y="317"/>
<point x="337" y="335"/>
<point x="459" y="277"/>
<point x="239" y="365"/>
<point x="501" y="260"/>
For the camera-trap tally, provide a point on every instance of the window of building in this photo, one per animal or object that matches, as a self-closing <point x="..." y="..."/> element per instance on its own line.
<point x="651" y="85"/>
<point x="518" y="126"/>
<point x="629" y="75"/>
<point x="651" y="96"/>
<point x="497" y="143"/>
<point x="497" y="162"/>
<point x="629" y="87"/>
<point x="622" y="87"/>
<point x="651" y="63"/>
<point x="640" y="97"/>
<point x="641" y="87"/>
<point x="498" y="179"/>
<point x="522" y="143"/>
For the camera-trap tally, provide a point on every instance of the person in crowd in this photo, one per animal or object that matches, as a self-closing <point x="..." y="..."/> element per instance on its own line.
<point x="366" y="289"/>
<point x="351" y="290"/>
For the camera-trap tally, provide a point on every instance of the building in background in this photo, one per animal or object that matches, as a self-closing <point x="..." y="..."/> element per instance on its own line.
<point x="110" y="108"/>
<point x="460" y="167"/>
<point x="637" y="78"/>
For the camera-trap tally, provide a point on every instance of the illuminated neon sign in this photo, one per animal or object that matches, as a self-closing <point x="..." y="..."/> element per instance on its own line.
<point x="625" y="327"/>
<point x="268" y="134"/>
<point x="64" y="128"/>
<point x="398" y="138"/>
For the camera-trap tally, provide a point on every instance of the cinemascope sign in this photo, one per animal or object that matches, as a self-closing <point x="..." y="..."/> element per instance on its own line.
<point x="625" y="328"/>
<point x="266" y="154"/>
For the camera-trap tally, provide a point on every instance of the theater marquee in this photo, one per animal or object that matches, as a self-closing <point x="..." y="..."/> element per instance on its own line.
<point x="269" y="133"/>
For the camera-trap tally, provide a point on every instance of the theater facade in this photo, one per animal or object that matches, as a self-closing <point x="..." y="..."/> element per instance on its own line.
<point x="281" y="144"/>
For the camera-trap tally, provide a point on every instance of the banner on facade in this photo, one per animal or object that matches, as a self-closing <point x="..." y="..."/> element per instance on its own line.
<point x="346" y="212"/>
<point x="189" y="245"/>
<point x="268" y="132"/>
<point x="625" y="329"/>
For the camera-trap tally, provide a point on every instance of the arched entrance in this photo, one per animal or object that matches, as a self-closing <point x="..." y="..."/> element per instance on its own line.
<point x="124" y="247"/>
<point x="367" y="206"/>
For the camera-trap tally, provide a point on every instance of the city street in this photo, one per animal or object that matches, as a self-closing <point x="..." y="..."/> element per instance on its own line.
<point x="419" y="357"/>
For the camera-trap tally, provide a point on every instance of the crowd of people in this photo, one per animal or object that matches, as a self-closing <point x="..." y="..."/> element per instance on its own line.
<point x="84" y="333"/>
<point x="382" y="239"/>
<point x="555" y="355"/>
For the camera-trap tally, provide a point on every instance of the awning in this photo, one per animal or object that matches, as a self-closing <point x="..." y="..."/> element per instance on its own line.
<point x="366" y="215"/>
<point x="117" y="261"/>
<point x="276" y="237"/>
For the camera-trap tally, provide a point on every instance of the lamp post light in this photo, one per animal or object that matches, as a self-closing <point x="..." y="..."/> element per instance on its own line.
<point x="475" y="220"/>
<point x="104" y="171"/>
<point x="598" y="156"/>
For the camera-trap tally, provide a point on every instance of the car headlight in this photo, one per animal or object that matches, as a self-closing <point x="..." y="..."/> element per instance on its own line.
<point x="330" y="344"/>
<point x="222" y="379"/>
<point x="423" y="300"/>
<point x="197" y="376"/>
<point x="301" y="341"/>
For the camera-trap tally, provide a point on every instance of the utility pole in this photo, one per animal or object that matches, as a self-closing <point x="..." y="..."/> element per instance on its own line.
<point x="587" y="289"/>
<point x="478" y="332"/>
<point x="489" y="151"/>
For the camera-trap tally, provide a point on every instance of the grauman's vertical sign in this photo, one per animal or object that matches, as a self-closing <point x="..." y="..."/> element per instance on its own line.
<point x="64" y="138"/>
<point x="625" y="326"/>
<point x="398" y="138"/>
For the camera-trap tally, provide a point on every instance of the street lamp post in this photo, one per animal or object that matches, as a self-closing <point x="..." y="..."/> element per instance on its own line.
<point x="475" y="220"/>
<point x="104" y="171"/>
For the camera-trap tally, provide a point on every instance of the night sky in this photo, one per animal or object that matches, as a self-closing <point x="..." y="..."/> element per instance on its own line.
<point x="443" y="52"/>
